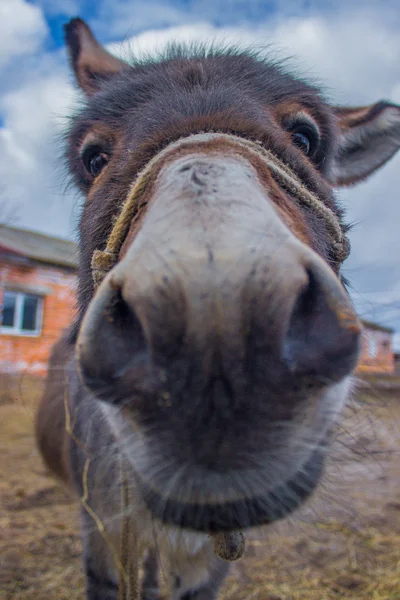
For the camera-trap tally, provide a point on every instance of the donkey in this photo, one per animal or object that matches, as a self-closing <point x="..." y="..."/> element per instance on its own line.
<point x="214" y="341"/>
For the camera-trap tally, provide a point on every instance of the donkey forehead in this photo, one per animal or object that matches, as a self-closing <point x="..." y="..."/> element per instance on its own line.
<point x="208" y="84"/>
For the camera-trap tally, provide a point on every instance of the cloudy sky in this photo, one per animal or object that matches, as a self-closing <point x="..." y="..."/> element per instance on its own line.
<point x="352" y="47"/>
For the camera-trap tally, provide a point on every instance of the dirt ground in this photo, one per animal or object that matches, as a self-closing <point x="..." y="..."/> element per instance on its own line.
<point x="345" y="543"/>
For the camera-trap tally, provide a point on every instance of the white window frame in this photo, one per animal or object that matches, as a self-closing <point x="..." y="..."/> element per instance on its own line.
<point x="16" y="329"/>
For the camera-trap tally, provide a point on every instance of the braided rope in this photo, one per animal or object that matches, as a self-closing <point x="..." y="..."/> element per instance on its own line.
<point x="104" y="260"/>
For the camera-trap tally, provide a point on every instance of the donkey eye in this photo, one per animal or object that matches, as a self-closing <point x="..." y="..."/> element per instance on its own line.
<point x="94" y="160"/>
<point x="302" y="141"/>
<point x="306" y="138"/>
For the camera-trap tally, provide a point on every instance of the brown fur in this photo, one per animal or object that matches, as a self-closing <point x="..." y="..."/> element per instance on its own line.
<point x="51" y="433"/>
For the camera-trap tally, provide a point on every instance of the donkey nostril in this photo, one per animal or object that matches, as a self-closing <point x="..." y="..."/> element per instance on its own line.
<point x="128" y="336"/>
<point x="322" y="339"/>
<point x="111" y="338"/>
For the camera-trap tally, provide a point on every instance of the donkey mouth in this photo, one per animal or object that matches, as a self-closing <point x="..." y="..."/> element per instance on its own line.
<point x="239" y="514"/>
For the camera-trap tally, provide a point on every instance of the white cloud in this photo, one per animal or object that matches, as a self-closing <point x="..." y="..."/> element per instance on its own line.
<point x="30" y="146"/>
<point x="120" y="19"/>
<point x="155" y="40"/>
<point x="22" y="29"/>
<point x="356" y="54"/>
<point x="60" y="7"/>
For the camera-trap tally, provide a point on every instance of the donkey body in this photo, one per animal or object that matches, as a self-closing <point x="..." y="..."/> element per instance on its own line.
<point x="206" y="372"/>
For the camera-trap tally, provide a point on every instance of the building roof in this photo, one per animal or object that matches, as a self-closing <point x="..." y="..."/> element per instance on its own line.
<point x="38" y="247"/>
<point x="376" y="326"/>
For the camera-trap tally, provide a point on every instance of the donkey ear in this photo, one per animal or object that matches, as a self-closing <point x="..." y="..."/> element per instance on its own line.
<point x="369" y="136"/>
<point x="91" y="63"/>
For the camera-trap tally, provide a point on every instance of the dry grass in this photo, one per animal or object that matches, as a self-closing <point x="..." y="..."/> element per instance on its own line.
<point x="346" y="544"/>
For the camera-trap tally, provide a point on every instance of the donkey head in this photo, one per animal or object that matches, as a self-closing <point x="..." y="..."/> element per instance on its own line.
<point x="221" y="342"/>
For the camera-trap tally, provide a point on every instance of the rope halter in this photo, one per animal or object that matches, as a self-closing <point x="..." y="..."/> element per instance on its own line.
<point x="104" y="260"/>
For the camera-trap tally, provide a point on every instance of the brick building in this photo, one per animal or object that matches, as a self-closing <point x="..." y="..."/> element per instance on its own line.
<point x="397" y="362"/>
<point x="37" y="295"/>
<point x="377" y="354"/>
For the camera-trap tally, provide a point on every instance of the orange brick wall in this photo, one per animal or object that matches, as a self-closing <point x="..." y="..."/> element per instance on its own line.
<point x="383" y="361"/>
<point x="30" y="354"/>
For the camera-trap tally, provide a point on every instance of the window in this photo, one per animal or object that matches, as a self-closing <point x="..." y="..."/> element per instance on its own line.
<point x="372" y="347"/>
<point x="21" y="313"/>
